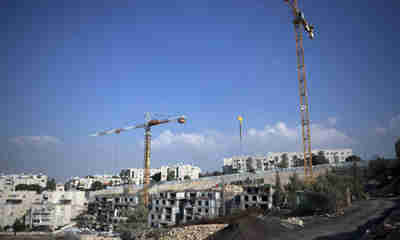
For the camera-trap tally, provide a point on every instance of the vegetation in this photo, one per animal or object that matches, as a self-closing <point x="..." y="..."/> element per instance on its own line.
<point x="187" y="177"/>
<point x="278" y="195"/>
<point x="18" y="226"/>
<point x="51" y="185"/>
<point x="171" y="176"/>
<point x="319" y="158"/>
<point x="156" y="177"/>
<point x="353" y="158"/>
<point x="397" y="148"/>
<point x="29" y="187"/>
<point x="210" y="174"/>
<point x="284" y="161"/>
<point x="136" y="221"/>
<point x="96" y="186"/>
<point x="327" y="191"/>
<point x="294" y="185"/>
<point x="379" y="170"/>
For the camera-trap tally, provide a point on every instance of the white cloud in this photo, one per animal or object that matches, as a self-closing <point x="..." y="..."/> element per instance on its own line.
<point x="278" y="137"/>
<point x="167" y="138"/>
<point x="326" y="137"/>
<point x="35" y="140"/>
<point x="332" y="121"/>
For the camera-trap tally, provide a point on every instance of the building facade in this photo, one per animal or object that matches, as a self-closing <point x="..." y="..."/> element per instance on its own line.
<point x="170" y="208"/>
<point x="180" y="171"/>
<point x="85" y="183"/>
<point x="271" y="160"/>
<point x="9" y="182"/>
<point x="56" y="209"/>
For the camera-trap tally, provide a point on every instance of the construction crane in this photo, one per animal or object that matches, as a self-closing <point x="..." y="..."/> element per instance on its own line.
<point x="150" y="121"/>
<point x="300" y="22"/>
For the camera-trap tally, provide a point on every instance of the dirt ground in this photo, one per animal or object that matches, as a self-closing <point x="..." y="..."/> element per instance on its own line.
<point x="319" y="228"/>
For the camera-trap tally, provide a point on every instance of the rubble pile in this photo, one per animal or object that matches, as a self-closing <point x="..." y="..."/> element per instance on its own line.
<point x="195" y="232"/>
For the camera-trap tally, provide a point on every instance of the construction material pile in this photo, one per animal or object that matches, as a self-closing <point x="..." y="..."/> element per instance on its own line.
<point x="294" y="221"/>
<point x="195" y="232"/>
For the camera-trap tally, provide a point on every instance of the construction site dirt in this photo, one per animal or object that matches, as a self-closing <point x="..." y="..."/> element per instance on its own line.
<point x="353" y="224"/>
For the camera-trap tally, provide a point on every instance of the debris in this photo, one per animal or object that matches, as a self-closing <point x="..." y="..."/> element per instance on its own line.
<point x="294" y="221"/>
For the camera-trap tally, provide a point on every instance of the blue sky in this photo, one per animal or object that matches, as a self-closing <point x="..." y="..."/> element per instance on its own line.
<point x="69" y="69"/>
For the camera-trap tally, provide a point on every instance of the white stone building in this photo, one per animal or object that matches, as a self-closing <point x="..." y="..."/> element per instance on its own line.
<point x="56" y="209"/>
<point x="237" y="164"/>
<point x="85" y="183"/>
<point x="136" y="175"/>
<point x="15" y="205"/>
<point x="9" y="182"/>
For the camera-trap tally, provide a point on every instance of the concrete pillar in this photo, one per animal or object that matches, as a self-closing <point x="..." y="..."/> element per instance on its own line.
<point x="271" y="192"/>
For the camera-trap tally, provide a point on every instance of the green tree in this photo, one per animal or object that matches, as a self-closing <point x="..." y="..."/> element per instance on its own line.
<point x="353" y="158"/>
<point x="357" y="182"/>
<point x="171" y="176"/>
<point x="278" y="194"/>
<point x="136" y="221"/>
<point x="29" y="187"/>
<point x="319" y="158"/>
<point x="97" y="185"/>
<point x="284" y="161"/>
<point x="18" y="226"/>
<point x="51" y="185"/>
<point x="156" y="177"/>
<point x="294" y="185"/>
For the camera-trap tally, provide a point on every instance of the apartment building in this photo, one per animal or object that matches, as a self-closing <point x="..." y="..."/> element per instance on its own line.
<point x="170" y="208"/>
<point x="9" y="182"/>
<point x="15" y="205"/>
<point x="181" y="171"/>
<point x="85" y="183"/>
<point x="52" y="209"/>
<point x="270" y="160"/>
<point x="56" y="209"/>
<point x="136" y="175"/>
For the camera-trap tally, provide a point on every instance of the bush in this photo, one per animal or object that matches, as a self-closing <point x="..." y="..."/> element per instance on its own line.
<point x="29" y="187"/>
<point x="137" y="221"/>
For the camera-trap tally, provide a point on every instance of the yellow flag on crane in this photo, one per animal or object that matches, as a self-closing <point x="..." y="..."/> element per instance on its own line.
<point x="240" y="125"/>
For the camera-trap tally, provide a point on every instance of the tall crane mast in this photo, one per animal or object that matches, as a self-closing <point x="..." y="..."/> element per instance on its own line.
<point x="300" y="22"/>
<point x="149" y="122"/>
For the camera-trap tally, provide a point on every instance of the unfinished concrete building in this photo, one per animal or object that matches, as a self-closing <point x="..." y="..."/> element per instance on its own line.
<point x="171" y="208"/>
<point x="166" y="209"/>
<point x="202" y="205"/>
<point x="109" y="209"/>
<point x="254" y="196"/>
